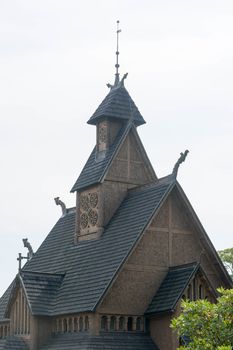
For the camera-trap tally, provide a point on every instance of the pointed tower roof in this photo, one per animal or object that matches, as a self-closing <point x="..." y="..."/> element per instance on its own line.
<point x="118" y="105"/>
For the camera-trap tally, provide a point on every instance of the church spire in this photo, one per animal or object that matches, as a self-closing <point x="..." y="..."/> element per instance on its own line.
<point x="117" y="75"/>
<point x="117" y="105"/>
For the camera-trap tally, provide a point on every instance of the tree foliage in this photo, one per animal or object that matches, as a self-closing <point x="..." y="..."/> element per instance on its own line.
<point x="227" y="257"/>
<point x="206" y="326"/>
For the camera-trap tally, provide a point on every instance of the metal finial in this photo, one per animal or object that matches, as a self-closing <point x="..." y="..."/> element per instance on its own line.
<point x="179" y="161"/>
<point x="117" y="76"/>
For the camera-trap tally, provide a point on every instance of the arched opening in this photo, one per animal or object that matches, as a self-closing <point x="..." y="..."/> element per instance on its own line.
<point x="86" y="323"/>
<point x="138" y="324"/>
<point x="130" y="324"/>
<point x="189" y="292"/>
<point x="81" y="324"/>
<point x="59" y="325"/>
<point x="121" y="323"/>
<point x="194" y="290"/>
<point x="147" y="325"/>
<point x="104" y="323"/>
<point x="75" y="324"/>
<point x="200" y="292"/>
<point x="65" y="325"/>
<point x="70" y="325"/>
<point x="113" y="323"/>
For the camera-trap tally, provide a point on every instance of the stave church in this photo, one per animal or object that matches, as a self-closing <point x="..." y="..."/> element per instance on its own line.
<point x="113" y="270"/>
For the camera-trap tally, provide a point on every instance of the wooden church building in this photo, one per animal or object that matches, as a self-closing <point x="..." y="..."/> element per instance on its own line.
<point x="113" y="270"/>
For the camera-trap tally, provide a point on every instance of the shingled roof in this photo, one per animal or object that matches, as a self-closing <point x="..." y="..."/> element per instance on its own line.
<point x="90" y="266"/>
<point x="94" y="170"/>
<point x="172" y="288"/>
<point x="13" y="343"/>
<point x="106" y="340"/>
<point x="4" y="301"/>
<point x="118" y="104"/>
<point x="41" y="290"/>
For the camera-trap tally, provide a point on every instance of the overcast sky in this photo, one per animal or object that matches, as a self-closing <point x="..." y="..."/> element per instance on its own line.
<point x="56" y="57"/>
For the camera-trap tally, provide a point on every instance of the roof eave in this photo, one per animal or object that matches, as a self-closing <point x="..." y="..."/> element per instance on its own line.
<point x="95" y="120"/>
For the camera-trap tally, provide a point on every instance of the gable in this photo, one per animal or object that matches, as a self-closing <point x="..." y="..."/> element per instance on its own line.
<point x="171" y="288"/>
<point x="18" y="310"/>
<point x="125" y="161"/>
<point x="4" y="301"/>
<point x="171" y="239"/>
<point x="208" y="257"/>
<point x="131" y="163"/>
<point x="186" y="282"/>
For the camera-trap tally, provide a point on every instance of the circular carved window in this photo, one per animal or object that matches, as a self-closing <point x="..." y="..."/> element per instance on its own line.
<point x="84" y="202"/>
<point x="84" y="220"/>
<point x="93" y="217"/>
<point x="93" y="200"/>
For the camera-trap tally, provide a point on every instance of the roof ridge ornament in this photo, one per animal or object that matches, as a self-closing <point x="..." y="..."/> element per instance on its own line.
<point x="29" y="254"/>
<point x="62" y="204"/>
<point x="27" y="245"/>
<point x="179" y="161"/>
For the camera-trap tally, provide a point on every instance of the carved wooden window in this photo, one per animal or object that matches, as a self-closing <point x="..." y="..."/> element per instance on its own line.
<point x="102" y="136"/>
<point x="88" y="210"/>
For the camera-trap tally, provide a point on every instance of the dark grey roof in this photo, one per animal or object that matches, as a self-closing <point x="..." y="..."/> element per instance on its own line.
<point x="172" y="288"/>
<point x="41" y="290"/>
<point x="118" y="104"/>
<point x="13" y="343"/>
<point x="4" y="301"/>
<point x="111" y="340"/>
<point x="94" y="170"/>
<point x="90" y="266"/>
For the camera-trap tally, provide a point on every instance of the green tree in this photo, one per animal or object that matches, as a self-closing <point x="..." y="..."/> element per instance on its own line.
<point x="206" y="326"/>
<point x="227" y="257"/>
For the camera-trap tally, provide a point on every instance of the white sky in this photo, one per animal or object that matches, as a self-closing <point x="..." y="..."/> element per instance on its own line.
<point x="56" y="57"/>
